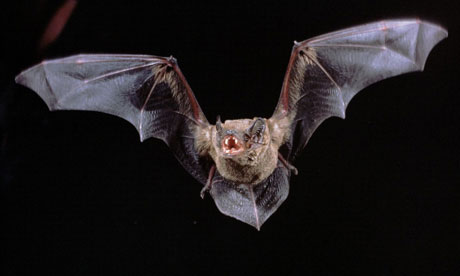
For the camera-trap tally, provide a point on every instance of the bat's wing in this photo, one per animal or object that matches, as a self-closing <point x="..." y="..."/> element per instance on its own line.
<point x="148" y="91"/>
<point x="152" y="94"/>
<point x="325" y="72"/>
<point x="251" y="204"/>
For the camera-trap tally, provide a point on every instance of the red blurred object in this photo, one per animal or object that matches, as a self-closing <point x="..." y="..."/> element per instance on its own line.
<point x="56" y="24"/>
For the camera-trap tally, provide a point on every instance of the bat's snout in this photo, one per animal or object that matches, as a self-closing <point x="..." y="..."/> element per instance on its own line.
<point x="232" y="145"/>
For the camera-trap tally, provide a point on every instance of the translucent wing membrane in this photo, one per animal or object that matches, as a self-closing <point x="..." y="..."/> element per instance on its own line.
<point x="325" y="72"/>
<point x="141" y="89"/>
<point x="148" y="91"/>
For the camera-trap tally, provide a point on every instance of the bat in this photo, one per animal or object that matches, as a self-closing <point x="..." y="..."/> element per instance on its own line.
<point x="245" y="165"/>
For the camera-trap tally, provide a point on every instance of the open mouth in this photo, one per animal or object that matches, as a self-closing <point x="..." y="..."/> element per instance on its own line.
<point x="231" y="145"/>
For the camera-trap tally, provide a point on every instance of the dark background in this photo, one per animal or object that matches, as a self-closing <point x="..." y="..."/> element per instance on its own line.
<point x="377" y="193"/>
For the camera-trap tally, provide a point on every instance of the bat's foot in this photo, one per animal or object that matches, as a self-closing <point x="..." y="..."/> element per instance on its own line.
<point x="288" y="165"/>
<point x="293" y="169"/>
<point x="208" y="185"/>
<point x="204" y="190"/>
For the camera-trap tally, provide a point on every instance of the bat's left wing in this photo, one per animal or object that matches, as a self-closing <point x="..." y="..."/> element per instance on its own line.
<point x="148" y="91"/>
<point x="325" y="72"/>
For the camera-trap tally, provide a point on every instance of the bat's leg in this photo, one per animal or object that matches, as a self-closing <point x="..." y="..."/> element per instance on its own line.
<point x="208" y="185"/>
<point x="287" y="165"/>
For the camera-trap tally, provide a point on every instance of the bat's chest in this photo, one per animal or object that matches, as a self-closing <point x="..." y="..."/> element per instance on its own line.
<point x="248" y="168"/>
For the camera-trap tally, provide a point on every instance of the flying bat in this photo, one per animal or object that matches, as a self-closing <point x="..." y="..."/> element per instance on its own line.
<point x="245" y="165"/>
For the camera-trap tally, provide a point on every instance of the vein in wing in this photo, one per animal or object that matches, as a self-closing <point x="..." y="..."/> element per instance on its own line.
<point x="119" y="72"/>
<point x="82" y="61"/>
<point x="90" y="58"/>
<point x="327" y="74"/>
<point x="354" y="31"/>
<point x="383" y="48"/>
<point x="146" y="101"/>
<point x="103" y="76"/>
<point x="404" y="56"/>
<point x="187" y="117"/>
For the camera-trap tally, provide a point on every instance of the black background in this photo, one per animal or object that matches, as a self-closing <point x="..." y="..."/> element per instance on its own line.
<point x="377" y="193"/>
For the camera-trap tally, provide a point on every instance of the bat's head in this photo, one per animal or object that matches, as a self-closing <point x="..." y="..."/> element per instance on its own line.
<point x="242" y="141"/>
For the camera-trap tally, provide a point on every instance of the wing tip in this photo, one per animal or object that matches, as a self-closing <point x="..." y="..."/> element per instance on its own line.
<point x="434" y="25"/>
<point x="19" y="79"/>
<point x="436" y="33"/>
<point x="26" y="76"/>
<point x="142" y="137"/>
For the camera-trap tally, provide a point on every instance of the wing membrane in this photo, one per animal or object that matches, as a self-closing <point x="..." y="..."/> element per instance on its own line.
<point x="325" y="72"/>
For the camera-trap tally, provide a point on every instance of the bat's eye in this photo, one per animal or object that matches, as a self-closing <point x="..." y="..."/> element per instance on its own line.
<point x="231" y="145"/>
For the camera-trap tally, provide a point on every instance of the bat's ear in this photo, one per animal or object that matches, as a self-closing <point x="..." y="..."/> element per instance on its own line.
<point x="218" y="124"/>
<point x="257" y="127"/>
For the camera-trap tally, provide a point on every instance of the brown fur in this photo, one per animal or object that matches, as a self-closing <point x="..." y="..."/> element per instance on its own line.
<point x="249" y="167"/>
<point x="253" y="166"/>
<point x="171" y="76"/>
<point x="203" y="139"/>
<point x="177" y="88"/>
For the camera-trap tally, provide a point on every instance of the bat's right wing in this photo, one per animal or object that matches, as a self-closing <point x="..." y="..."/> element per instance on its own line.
<point x="325" y="72"/>
<point x="148" y="91"/>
